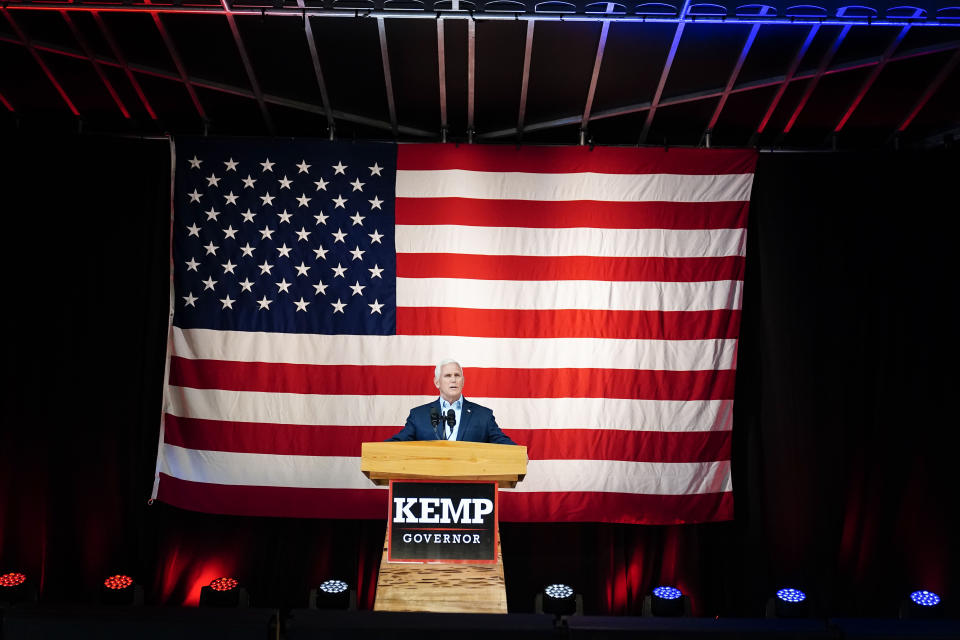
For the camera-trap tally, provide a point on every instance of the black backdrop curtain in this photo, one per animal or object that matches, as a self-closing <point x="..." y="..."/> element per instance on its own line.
<point x="843" y="469"/>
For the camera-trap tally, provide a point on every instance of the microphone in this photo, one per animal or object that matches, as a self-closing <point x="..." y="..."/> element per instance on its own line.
<point x="451" y="419"/>
<point x="435" y="420"/>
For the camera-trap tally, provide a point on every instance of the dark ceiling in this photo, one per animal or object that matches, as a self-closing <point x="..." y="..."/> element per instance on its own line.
<point x="726" y="74"/>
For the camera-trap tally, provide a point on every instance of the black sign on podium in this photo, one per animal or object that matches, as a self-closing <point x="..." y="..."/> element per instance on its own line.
<point x="453" y="522"/>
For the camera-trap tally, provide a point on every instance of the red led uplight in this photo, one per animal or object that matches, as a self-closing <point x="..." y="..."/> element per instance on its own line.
<point x="12" y="579"/>
<point x="118" y="582"/>
<point x="224" y="584"/>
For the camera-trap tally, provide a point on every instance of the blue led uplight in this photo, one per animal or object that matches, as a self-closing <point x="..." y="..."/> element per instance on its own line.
<point x="791" y="595"/>
<point x="667" y="593"/>
<point x="925" y="598"/>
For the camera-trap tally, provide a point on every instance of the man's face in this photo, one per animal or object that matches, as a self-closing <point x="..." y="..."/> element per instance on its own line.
<point x="450" y="382"/>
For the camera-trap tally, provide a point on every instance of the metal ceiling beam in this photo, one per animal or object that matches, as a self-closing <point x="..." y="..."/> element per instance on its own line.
<point x="663" y="76"/>
<point x="787" y="79"/>
<point x="525" y="79"/>
<point x="385" y="57"/>
<point x="108" y="36"/>
<point x="317" y="70"/>
<point x="930" y="90"/>
<point x="874" y="73"/>
<point x="442" y="72"/>
<point x="471" y="68"/>
<point x="25" y="41"/>
<point x="178" y="63"/>
<point x="245" y="58"/>
<point x="713" y="93"/>
<point x="96" y="65"/>
<point x="821" y="69"/>
<point x="322" y="12"/>
<point x="731" y="81"/>
<point x="213" y="85"/>
<point x="592" y="89"/>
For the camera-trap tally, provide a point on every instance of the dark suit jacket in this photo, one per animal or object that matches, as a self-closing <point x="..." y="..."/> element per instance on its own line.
<point x="477" y="424"/>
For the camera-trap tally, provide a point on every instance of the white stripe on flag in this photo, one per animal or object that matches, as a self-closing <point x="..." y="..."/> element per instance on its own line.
<point x="520" y="353"/>
<point x="615" y="187"/>
<point x="611" y="243"/>
<point x="618" y="476"/>
<point x="516" y="413"/>
<point x="569" y="294"/>
<point x="321" y="472"/>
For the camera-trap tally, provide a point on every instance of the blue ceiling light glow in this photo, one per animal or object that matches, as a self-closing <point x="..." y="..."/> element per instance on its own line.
<point x="791" y="595"/>
<point x="925" y="598"/>
<point x="667" y="593"/>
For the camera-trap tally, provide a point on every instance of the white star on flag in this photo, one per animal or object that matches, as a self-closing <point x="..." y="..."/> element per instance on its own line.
<point x="375" y="169"/>
<point x="375" y="307"/>
<point x="267" y="166"/>
<point x="338" y="306"/>
<point x="189" y="300"/>
<point x="339" y="168"/>
<point x="231" y="165"/>
<point x="304" y="167"/>
<point x="195" y="162"/>
<point x="301" y="304"/>
<point x="375" y="203"/>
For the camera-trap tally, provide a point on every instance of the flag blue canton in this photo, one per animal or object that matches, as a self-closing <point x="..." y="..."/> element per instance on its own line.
<point x="284" y="236"/>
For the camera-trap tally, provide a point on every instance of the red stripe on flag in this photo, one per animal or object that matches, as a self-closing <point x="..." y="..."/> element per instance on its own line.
<point x="529" y="159"/>
<point x="480" y="267"/>
<point x="281" y="502"/>
<point x="629" y="508"/>
<point x="542" y="444"/>
<point x="487" y="382"/>
<point x="569" y="323"/>
<point x="536" y="214"/>
<point x="292" y="502"/>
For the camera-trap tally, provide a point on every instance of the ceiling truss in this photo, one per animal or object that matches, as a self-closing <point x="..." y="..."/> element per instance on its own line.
<point x="230" y="9"/>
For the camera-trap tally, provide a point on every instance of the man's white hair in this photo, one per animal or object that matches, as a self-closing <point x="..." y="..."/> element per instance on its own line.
<point x="436" y="372"/>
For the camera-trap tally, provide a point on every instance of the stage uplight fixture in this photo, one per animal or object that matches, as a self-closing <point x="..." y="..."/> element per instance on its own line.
<point x="333" y="594"/>
<point x="121" y="590"/>
<point x="15" y="588"/>
<point x="558" y="599"/>
<point x="921" y="604"/>
<point x="224" y="593"/>
<point x="788" y="602"/>
<point x="666" y="601"/>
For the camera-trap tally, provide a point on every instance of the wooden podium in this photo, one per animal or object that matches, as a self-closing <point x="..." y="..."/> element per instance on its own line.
<point x="438" y="586"/>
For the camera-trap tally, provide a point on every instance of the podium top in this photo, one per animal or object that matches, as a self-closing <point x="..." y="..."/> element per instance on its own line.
<point x="441" y="460"/>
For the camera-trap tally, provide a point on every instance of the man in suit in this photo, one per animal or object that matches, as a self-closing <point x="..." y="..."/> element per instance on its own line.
<point x="472" y="422"/>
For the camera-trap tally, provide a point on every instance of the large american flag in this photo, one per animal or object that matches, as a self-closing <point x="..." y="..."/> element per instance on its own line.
<point x="592" y="296"/>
